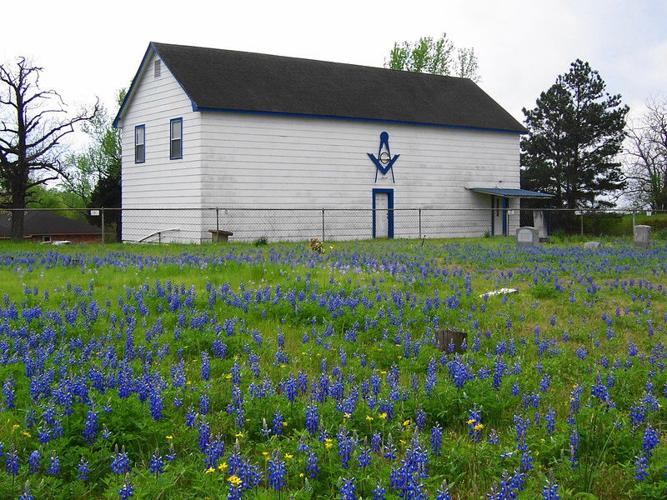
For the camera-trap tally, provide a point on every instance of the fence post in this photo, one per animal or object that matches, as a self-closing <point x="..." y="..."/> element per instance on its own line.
<point x="217" y="219"/>
<point x="420" y="223"/>
<point x="322" y="224"/>
<point x="104" y="240"/>
<point x="582" y="223"/>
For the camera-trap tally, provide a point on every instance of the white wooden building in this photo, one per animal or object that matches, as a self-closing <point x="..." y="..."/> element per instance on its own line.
<point x="205" y="128"/>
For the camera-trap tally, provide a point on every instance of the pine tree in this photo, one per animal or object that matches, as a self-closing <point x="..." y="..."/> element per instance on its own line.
<point x="576" y="132"/>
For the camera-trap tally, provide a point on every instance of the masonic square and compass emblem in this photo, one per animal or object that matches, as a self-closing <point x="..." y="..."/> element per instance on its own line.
<point x="384" y="162"/>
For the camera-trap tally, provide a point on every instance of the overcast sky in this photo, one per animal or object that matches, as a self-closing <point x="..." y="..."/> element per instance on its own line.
<point x="92" y="48"/>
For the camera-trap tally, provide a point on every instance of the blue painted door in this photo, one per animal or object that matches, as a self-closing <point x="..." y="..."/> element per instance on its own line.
<point x="383" y="213"/>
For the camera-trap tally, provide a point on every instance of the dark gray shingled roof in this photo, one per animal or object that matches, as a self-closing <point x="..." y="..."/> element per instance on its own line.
<point x="44" y="223"/>
<point x="228" y="80"/>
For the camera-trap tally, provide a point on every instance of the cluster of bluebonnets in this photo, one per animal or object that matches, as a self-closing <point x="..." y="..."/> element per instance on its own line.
<point x="280" y="371"/>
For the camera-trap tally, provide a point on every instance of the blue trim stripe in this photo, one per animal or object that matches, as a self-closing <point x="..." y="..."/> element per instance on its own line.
<point x="390" y="213"/>
<point x="195" y="107"/>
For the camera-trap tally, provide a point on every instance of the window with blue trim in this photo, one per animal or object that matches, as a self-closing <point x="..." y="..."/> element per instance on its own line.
<point x="140" y="144"/>
<point x="176" y="139"/>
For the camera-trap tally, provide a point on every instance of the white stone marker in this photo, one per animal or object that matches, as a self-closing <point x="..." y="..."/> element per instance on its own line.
<point x="527" y="236"/>
<point x="642" y="235"/>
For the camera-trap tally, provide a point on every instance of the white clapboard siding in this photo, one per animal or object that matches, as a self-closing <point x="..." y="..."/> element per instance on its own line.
<point x="160" y="182"/>
<point x="268" y="161"/>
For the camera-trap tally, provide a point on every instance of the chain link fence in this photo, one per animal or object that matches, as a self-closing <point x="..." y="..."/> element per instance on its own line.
<point x="201" y="225"/>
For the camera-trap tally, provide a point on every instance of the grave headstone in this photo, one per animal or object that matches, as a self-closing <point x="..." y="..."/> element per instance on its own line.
<point x="642" y="235"/>
<point x="527" y="236"/>
<point x="451" y="340"/>
<point x="539" y="223"/>
<point x="592" y="245"/>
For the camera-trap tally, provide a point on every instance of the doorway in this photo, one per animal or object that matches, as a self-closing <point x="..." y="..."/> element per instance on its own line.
<point x="383" y="213"/>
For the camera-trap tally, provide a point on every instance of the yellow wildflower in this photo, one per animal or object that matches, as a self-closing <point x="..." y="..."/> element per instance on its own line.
<point x="26" y="434"/>
<point x="223" y="467"/>
<point x="383" y="415"/>
<point x="210" y="470"/>
<point x="479" y="427"/>
<point x="169" y="438"/>
<point x="369" y="418"/>
<point x="406" y="423"/>
<point x="328" y="443"/>
<point x="235" y="480"/>
<point x="288" y="456"/>
<point x="228" y="376"/>
<point x="346" y="415"/>
<point x="471" y="421"/>
<point x="239" y="435"/>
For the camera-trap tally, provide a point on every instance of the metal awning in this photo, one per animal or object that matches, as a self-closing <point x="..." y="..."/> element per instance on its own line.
<point x="510" y="192"/>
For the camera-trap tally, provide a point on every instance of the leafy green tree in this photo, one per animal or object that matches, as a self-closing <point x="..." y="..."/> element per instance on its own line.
<point x="436" y="56"/>
<point x="576" y="133"/>
<point x="96" y="178"/>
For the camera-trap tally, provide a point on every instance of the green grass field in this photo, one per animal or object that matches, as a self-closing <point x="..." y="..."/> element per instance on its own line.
<point x="274" y="371"/>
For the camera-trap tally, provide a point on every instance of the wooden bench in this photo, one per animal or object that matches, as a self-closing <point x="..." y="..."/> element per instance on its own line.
<point x="220" y="235"/>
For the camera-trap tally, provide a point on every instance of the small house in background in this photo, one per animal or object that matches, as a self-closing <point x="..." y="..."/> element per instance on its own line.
<point x="49" y="227"/>
<point x="243" y="132"/>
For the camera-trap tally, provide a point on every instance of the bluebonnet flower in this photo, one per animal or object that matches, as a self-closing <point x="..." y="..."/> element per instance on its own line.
<point x="120" y="464"/>
<point x="312" y="467"/>
<point x="493" y="437"/>
<point x="420" y="419"/>
<point x="205" y="366"/>
<point x="278" y="422"/>
<point x="475" y="425"/>
<point x="9" y="393"/>
<point x="436" y="439"/>
<point x="348" y="490"/>
<point x="641" y="467"/>
<point x="277" y="471"/>
<point x="54" y="465"/>
<point x="34" y="462"/>
<point x="190" y="417"/>
<point x="346" y="445"/>
<point x="83" y="470"/>
<point x="156" y="404"/>
<point x="379" y="493"/>
<point x="156" y="465"/>
<point x="574" y="446"/>
<point x="551" y="421"/>
<point x="26" y="495"/>
<point x="127" y="490"/>
<point x="90" y="426"/>
<point x="204" y="436"/>
<point x="443" y="493"/>
<point x="12" y="463"/>
<point x="499" y="370"/>
<point x="364" y="457"/>
<point x="204" y="404"/>
<point x="550" y="492"/>
<point x="651" y="440"/>
<point x="376" y="442"/>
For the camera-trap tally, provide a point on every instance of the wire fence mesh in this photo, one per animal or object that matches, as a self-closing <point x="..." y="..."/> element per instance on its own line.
<point x="201" y="225"/>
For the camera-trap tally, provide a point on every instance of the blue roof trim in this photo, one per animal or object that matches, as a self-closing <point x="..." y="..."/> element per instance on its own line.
<point x="151" y="46"/>
<point x="195" y="107"/>
<point x="511" y="192"/>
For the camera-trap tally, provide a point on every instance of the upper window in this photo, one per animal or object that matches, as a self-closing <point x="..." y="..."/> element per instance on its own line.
<point x="176" y="139"/>
<point x="157" y="68"/>
<point x="139" y="144"/>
